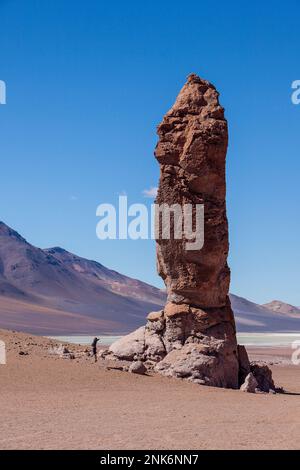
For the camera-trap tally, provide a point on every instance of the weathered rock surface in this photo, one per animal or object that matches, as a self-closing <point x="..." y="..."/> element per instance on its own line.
<point x="244" y="364"/>
<point x="191" y="151"/>
<point x="194" y="336"/>
<point x="137" y="367"/>
<point x="185" y="346"/>
<point x="130" y="346"/>
<point x="259" y="378"/>
<point x="200" y="363"/>
<point x="263" y="376"/>
<point x="250" y="384"/>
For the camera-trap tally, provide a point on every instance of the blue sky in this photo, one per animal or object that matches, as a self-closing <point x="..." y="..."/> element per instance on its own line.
<point x="87" y="83"/>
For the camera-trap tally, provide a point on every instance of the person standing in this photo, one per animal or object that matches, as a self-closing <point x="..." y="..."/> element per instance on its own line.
<point x="94" y="347"/>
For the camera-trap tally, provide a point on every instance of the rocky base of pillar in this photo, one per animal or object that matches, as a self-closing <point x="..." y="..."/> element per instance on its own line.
<point x="198" y="345"/>
<point x="186" y="342"/>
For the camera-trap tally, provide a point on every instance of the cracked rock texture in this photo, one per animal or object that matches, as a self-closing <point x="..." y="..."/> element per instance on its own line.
<point x="191" y="151"/>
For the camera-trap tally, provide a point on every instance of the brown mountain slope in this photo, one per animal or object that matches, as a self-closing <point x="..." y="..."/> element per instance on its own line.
<point x="89" y="296"/>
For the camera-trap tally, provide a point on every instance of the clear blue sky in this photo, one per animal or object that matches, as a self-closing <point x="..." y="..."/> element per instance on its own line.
<point x="87" y="83"/>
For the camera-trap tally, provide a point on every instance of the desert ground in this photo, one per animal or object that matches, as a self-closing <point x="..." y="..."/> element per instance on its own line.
<point x="48" y="402"/>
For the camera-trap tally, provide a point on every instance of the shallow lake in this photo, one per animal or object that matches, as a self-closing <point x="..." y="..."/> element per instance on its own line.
<point x="248" y="339"/>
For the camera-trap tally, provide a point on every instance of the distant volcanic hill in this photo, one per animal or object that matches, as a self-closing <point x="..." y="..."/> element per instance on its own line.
<point x="281" y="307"/>
<point x="251" y="317"/>
<point x="54" y="292"/>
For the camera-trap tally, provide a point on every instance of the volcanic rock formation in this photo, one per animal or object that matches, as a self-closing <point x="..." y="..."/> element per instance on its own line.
<point x="191" y="151"/>
<point x="194" y="336"/>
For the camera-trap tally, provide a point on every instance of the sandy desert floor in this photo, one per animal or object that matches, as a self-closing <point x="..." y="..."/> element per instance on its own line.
<point x="53" y="403"/>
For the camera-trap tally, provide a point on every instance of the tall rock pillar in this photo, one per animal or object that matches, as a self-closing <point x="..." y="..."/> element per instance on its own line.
<point x="194" y="336"/>
<point x="199" y="334"/>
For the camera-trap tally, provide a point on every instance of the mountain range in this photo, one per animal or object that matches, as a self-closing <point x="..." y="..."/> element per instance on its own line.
<point x="55" y="292"/>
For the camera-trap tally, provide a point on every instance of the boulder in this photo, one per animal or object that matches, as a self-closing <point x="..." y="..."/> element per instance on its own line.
<point x="263" y="376"/>
<point x="200" y="363"/>
<point x="137" y="367"/>
<point x="130" y="346"/>
<point x="250" y="384"/>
